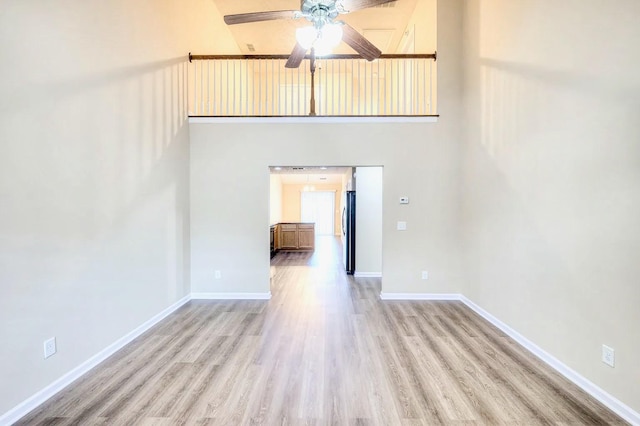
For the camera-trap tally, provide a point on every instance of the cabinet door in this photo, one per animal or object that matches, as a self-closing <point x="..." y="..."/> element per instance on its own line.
<point x="288" y="237"/>
<point x="306" y="237"/>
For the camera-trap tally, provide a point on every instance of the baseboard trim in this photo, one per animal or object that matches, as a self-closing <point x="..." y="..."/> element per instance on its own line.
<point x="231" y="296"/>
<point x="42" y="396"/>
<point x="592" y="389"/>
<point x="419" y="296"/>
<point x="367" y="275"/>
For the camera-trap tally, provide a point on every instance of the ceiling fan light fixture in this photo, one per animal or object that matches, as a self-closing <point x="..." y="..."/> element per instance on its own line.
<point x="306" y="36"/>
<point x="328" y="39"/>
<point x="323" y="40"/>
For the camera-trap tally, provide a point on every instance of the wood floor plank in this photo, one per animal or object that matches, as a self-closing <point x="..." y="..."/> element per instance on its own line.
<point x="324" y="350"/>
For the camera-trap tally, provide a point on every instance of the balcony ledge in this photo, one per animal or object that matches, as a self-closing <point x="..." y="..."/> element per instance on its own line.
<point x="316" y="119"/>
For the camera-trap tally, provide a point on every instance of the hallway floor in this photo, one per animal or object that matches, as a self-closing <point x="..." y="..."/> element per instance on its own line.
<point x="324" y="350"/>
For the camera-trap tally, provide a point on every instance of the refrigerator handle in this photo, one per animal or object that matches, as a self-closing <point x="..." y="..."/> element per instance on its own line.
<point x="344" y="211"/>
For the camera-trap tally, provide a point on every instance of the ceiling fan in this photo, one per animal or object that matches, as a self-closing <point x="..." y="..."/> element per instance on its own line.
<point x="326" y="31"/>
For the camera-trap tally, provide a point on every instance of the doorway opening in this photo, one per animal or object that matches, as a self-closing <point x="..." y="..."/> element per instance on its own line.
<point x="314" y="220"/>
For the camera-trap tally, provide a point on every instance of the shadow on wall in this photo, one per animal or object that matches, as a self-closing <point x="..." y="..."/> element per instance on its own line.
<point x="23" y="97"/>
<point x="100" y="181"/>
<point x="149" y="170"/>
<point x="544" y="145"/>
<point x="511" y="92"/>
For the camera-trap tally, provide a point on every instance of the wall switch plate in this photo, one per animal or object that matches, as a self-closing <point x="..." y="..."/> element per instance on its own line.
<point x="404" y="200"/>
<point x="425" y="275"/>
<point x="49" y="347"/>
<point x="218" y="275"/>
<point x="402" y="226"/>
<point x="608" y="356"/>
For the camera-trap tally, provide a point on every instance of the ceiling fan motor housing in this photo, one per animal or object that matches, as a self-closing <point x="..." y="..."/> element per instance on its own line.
<point x="320" y="12"/>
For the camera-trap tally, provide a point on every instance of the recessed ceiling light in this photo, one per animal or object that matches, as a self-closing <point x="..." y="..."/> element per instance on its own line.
<point x="323" y="168"/>
<point x="277" y="168"/>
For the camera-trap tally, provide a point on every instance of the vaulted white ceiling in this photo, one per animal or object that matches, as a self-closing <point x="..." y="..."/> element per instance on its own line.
<point x="385" y="26"/>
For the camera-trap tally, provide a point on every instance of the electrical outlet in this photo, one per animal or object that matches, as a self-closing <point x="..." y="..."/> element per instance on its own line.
<point x="425" y="275"/>
<point x="218" y="275"/>
<point x="608" y="356"/>
<point x="49" y="347"/>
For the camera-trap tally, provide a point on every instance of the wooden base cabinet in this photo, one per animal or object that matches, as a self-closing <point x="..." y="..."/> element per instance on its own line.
<point x="306" y="236"/>
<point x="288" y="236"/>
<point x="296" y="236"/>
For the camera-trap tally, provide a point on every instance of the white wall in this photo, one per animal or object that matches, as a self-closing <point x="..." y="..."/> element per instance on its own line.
<point x="551" y="183"/>
<point x="229" y="227"/>
<point x="275" y="199"/>
<point x="94" y="182"/>
<point x="369" y="220"/>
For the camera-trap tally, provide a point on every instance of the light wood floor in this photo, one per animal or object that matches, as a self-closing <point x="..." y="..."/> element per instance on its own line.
<point x="325" y="350"/>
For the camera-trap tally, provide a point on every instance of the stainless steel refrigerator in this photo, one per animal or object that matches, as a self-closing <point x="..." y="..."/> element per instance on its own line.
<point x="349" y="232"/>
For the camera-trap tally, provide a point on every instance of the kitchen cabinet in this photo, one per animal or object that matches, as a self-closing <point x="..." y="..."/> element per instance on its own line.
<point x="296" y="236"/>
<point x="306" y="236"/>
<point x="288" y="236"/>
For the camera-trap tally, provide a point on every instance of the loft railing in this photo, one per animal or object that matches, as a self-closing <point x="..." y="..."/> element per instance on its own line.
<point x="340" y="85"/>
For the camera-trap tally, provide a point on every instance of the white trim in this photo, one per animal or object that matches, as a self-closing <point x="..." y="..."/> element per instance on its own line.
<point x="231" y="296"/>
<point x="419" y="296"/>
<point x="595" y="391"/>
<point x="317" y="119"/>
<point x="367" y="274"/>
<point x="43" y="395"/>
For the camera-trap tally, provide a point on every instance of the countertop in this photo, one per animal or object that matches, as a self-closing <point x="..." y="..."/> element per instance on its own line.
<point x="293" y="223"/>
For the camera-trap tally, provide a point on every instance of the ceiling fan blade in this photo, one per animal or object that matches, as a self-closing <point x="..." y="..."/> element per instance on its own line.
<point x="243" y="18"/>
<point x="364" y="47"/>
<point x="352" y="5"/>
<point x="296" y="57"/>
